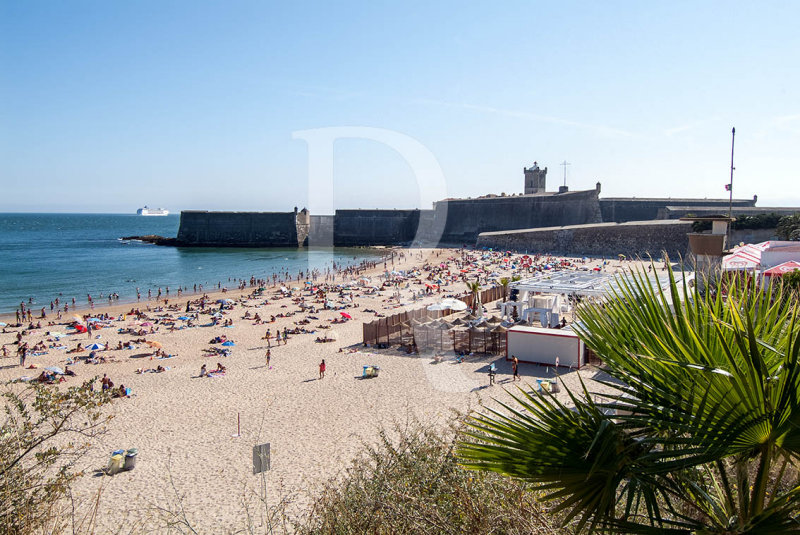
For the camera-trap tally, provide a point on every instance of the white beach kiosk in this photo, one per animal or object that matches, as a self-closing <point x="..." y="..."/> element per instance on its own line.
<point x="538" y="345"/>
<point x="543" y="299"/>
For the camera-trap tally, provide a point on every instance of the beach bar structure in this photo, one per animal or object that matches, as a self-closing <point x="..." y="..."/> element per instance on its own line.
<point x="538" y="345"/>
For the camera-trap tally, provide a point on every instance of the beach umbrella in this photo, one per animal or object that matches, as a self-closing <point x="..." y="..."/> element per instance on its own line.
<point x="346" y="315"/>
<point x="157" y="345"/>
<point x="55" y="369"/>
<point x="228" y="343"/>
<point x="3" y="324"/>
<point x="96" y="347"/>
<point x="146" y="324"/>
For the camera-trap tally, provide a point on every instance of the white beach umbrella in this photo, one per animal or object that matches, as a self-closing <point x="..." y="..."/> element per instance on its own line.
<point x="449" y="304"/>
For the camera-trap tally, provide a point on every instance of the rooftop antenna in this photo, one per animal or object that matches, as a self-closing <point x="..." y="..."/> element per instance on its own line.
<point x="565" y="164"/>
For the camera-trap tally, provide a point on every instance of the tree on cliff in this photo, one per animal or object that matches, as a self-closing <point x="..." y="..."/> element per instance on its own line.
<point x="701" y="434"/>
<point x="45" y="431"/>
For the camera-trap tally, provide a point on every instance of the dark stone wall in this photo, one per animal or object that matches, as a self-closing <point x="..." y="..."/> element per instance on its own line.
<point x="636" y="238"/>
<point x="374" y="227"/>
<point x="466" y="218"/>
<point x="239" y="229"/>
<point x="321" y="232"/>
<point x="619" y="210"/>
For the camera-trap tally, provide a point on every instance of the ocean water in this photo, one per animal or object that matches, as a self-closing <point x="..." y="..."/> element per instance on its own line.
<point x="44" y="256"/>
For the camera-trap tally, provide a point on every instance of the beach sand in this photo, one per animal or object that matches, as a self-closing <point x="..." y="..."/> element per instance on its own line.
<point x="185" y="426"/>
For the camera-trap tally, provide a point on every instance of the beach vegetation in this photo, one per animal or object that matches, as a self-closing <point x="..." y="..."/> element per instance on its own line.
<point x="700" y="432"/>
<point x="504" y="282"/>
<point x="789" y="228"/>
<point x="410" y="482"/>
<point x="474" y="288"/>
<point x="45" y="431"/>
<point x="747" y="222"/>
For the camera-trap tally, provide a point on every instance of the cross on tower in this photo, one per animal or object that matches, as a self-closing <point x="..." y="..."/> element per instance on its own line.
<point x="565" y="164"/>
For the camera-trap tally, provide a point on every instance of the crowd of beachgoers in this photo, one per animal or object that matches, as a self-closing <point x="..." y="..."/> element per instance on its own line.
<point x="204" y="377"/>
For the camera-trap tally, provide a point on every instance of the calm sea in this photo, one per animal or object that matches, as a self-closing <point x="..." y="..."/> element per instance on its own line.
<point x="71" y="255"/>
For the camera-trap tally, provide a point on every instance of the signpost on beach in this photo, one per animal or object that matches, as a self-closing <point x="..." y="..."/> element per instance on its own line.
<point x="260" y="458"/>
<point x="261" y="464"/>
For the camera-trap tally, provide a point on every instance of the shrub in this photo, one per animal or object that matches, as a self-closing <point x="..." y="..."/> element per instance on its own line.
<point x="45" y="431"/>
<point x="413" y="484"/>
<point x="789" y="227"/>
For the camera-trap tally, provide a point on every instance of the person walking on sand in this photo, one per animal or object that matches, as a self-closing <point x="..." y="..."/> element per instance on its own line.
<point x="515" y="367"/>
<point x="492" y="372"/>
<point x="322" y="369"/>
<point x="268" y="336"/>
<point x="268" y="356"/>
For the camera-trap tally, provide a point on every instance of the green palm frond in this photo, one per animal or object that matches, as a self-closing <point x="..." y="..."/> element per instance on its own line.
<point x="705" y="398"/>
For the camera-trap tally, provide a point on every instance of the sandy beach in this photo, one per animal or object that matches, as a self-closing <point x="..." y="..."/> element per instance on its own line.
<point x="185" y="427"/>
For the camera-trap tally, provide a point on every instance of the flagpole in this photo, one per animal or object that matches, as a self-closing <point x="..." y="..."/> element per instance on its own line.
<point x="730" y="185"/>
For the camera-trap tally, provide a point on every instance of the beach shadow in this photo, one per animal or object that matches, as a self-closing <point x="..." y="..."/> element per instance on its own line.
<point x="310" y="380"/>
<point x="258" y="367"/>
<point x="600" y="375"/>
<point x="8" y="366"/>
<point x="482" y="387"/>
<point x="141" y="355"/>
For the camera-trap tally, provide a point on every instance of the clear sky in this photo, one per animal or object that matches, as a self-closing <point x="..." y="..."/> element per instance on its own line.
<point x="107" y="106"/>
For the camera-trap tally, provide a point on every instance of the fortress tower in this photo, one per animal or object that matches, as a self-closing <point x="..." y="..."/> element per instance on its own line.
<point x="535" y="179"/>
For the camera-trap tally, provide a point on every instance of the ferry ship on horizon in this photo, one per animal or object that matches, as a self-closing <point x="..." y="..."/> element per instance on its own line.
<point x="151" y="211"/>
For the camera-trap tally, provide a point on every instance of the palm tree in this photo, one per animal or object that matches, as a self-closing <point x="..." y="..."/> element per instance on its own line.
<point x="475" y="289"/>
<point x="504" y="282"/>
<point x="700" y="434"/>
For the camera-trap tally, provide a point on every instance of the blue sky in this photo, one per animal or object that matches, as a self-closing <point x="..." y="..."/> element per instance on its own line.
<point x="107" y="106"/>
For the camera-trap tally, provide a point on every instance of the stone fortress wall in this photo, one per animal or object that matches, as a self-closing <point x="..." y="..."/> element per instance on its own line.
<point x="633" y="239"/>
<point x="621" y="209"/>
<point x="243" y="229"/>
<point x="374" y="227"/>
<point x="570" y="220"/>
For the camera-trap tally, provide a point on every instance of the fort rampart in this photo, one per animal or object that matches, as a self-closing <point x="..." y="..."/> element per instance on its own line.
<point x="243" y="229"/>
<point x="637" y="238"/>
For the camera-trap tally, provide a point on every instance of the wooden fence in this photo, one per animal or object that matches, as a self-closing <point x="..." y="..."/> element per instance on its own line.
<point x="407" y="329"/>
